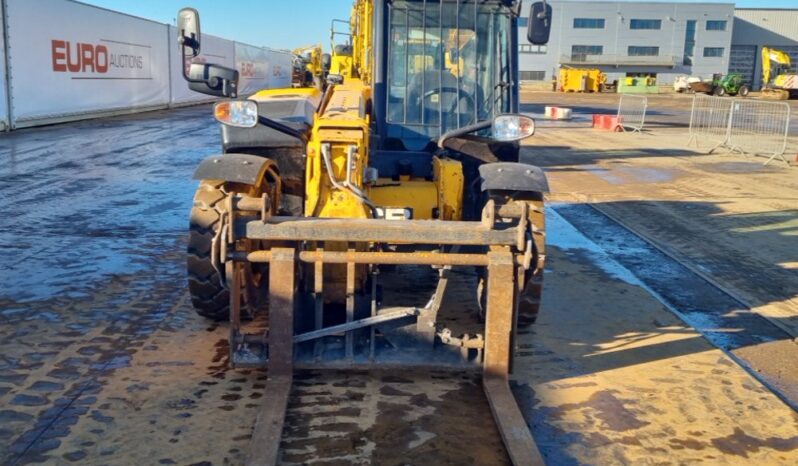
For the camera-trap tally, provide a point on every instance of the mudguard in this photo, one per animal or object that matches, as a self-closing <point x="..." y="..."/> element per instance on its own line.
<point x="234" y="168"/>
<point x="511" y="176"/>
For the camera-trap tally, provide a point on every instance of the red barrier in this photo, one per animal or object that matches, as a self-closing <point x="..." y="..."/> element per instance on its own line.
<point x="607" y="122"/>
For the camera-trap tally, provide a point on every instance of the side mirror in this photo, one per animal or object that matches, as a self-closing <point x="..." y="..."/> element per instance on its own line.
<point x="188" y="31"/>
<point x="326" y="62"/>
<point x="215" y="80"/>
<point x="539" y="25"/>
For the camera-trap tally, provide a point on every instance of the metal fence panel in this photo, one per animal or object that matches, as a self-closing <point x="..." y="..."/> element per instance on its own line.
<point x="632" y="112"/>
<point x="740" y="125"/>
<point x="709" y="121"/>
<point x="758" y="127"/>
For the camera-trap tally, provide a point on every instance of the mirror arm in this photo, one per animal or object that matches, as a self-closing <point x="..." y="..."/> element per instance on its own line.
<point x="542" y="14"/>
<point x="226" y="89"/>
<point x="182" y="41"/>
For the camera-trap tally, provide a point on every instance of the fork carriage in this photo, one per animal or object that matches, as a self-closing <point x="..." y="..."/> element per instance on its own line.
<point x="506" y="243"/>
<point x="297" y="249"/>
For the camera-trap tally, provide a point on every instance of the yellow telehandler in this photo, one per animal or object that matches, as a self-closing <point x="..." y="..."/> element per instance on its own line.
<point x="410" y="156"/>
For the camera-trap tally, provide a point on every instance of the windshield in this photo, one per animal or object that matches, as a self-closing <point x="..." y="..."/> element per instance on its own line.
<point x="449" y="64"/>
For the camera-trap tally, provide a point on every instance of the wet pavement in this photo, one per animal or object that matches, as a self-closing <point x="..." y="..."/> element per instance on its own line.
<point x="88" y="200"/>
<point x="102" y="360"/>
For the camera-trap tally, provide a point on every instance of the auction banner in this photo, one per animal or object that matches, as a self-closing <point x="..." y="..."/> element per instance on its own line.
<point x="281" y="69"/>
<point x="254" y="69"/>
<point x="70" y="59"/>
<point x="212" y="50"/>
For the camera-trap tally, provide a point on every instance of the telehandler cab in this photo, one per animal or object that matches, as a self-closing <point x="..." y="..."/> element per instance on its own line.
<point x="410" y="156"/>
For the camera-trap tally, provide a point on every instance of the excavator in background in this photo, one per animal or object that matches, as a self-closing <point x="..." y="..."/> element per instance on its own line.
<point x="311" y="65"/>
<point x="777" y="81"/>
<point x="408" y="157"/>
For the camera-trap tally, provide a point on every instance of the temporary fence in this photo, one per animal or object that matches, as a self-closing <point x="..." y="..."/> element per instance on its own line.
<point x="632" y="112"/>
<point x="757" y="127"/>
<point x="740" y="125"/>
<point x="94" y="62"/>
<point x="709" y="121"/>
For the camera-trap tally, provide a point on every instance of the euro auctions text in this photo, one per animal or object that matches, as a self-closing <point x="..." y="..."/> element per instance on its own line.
<point x="92" y="58"/>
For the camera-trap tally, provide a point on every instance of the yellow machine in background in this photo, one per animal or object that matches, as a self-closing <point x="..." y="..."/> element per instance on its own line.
<point x="581" y="80"/>
<point x="309" y="67"/>
<point x="777" y="82"/>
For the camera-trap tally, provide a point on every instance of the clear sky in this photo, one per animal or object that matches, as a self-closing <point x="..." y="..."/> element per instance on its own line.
<point x="288" y="23"/>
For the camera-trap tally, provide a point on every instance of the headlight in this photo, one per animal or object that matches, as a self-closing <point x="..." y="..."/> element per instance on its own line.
<point x="238" y="113"/>
<point x="512" y="127"/>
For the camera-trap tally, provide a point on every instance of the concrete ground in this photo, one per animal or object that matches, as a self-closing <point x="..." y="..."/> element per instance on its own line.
<point x="638" y="356"/>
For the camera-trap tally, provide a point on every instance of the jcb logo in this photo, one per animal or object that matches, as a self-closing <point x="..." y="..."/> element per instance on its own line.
<point x="79" y="58"/>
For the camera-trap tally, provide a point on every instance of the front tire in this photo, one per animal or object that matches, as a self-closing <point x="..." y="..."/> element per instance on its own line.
<point x="206" y="284"/>
<point x="529" y="293"/>
<point x="529" y="297"/>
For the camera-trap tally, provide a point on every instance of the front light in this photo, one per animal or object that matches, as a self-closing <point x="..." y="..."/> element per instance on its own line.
<point x="512" y="127"/>
<point x="238" y="113"/>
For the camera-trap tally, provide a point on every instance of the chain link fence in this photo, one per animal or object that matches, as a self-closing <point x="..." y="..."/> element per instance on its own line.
<point x="632" y="112"/>
<point x="745" y="126"/>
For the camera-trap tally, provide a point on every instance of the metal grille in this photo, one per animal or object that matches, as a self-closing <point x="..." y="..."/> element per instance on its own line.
<point x="740" y="125"/>
<point x="632" y="112"/>
<point x="427" y="40"/>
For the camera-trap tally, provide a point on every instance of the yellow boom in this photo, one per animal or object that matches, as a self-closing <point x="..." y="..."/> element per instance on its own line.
<point x="778" y="83"/>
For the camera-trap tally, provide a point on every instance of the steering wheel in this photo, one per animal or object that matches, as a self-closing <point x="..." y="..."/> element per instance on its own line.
<point x="461" y="95"/>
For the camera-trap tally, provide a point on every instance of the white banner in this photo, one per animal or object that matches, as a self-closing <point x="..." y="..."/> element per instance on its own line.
<point x="213" y="50"/>
<point x="4" y="123"/>
<point x="254" y="69"/>
<point x="71" y="59"/>
<point x="281" y="69"/>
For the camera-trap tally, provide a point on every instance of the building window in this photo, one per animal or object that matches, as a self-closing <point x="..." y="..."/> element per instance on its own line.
<point x="638" y="51"/>
<point x="588" y="23"/>
<point x="642" y="75"/>
<point x="580" y="52"/>
<point x="716" y="25"/>
<point x="523" y="22"/>
<point x="532" y="75"/>
<point x="533" y="49"/>
<point x="713" y="51"/>
<point x="689" y="43"/>
<point x="645" y="24"/>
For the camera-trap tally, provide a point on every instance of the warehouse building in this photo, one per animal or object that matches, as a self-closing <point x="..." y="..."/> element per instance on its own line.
<point x="625" y="39"/>
<point x="757" y="28"/>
